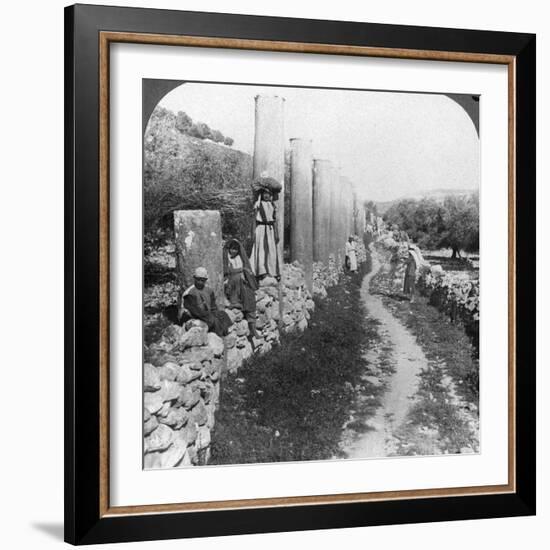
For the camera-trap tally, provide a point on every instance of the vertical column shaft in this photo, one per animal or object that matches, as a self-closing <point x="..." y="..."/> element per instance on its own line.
<point x="335" y="218"/>
<point x="322" y="189"/>
<point x="340" y="233"/>
<point x="301" y="207"/>
<point x="269" y="150"/>
<point x="356" y="216"/>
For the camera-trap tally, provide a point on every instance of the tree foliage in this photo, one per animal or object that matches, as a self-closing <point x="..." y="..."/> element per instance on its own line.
<point x="217" y="136"/>
<point x="184" y="124"/>
<point x="461" y="223"/>
<point x="452" y="223"/>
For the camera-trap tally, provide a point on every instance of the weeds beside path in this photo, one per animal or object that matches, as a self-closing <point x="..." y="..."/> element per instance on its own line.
<point x="444" y="415"/>
<point x="291" y="404"/>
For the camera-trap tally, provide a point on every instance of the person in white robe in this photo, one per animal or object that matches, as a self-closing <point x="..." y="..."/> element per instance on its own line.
<point x="264" y="258"/>
<point x="351" y="255"/>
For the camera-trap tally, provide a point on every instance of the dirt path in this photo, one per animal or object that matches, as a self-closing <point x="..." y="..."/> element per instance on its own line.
<point x="395" y="364"/>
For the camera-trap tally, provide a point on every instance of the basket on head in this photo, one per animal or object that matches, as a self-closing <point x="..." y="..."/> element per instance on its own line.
<point x="267" y="183"/>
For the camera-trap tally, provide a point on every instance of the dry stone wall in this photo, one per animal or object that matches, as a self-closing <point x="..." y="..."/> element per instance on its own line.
<point x="456" y="295"/>
<point x="181" y="390"/>
<point x="182" y="370"/>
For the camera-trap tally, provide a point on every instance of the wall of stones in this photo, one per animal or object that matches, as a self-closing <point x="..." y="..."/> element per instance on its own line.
<point x="182" y="370"/>
<point x="181" y="385"/>
<point x="455" y="294"/>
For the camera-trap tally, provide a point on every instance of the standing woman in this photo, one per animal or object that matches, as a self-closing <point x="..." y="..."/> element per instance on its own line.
<point x="240" y="283"/>
<point x="351" y="255"/>
<point x="414" y="261"/>
<point x="264" y="257"/>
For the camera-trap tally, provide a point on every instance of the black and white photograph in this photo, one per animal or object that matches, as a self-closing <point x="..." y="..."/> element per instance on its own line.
<point x="310" y="274"/>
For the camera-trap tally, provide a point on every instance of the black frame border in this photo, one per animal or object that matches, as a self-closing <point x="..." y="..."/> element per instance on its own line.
<point x="83" y="524"/>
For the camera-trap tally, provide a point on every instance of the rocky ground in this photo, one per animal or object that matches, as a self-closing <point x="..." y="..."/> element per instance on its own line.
<point x="428" y="369"/>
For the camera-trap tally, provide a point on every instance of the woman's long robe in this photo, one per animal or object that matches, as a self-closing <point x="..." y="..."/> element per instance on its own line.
<point x="264" y="257"/>
<point x="409" y="284"/>
<point x="414" y="262"/>
<point x="351" y="254"/>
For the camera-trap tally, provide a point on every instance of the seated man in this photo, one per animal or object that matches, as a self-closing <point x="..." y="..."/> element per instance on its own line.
<point x="199" y="302"/>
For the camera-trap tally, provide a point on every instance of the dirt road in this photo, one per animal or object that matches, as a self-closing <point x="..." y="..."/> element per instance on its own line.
<point x="405" y="359"/>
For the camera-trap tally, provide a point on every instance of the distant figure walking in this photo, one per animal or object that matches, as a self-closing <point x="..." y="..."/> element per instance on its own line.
<point x="414" y="262"/>
<point x="264" y="257"/>
<point x="240" y="283"/>
<point x="351" y="255"/>
<point x="199" y="302"/>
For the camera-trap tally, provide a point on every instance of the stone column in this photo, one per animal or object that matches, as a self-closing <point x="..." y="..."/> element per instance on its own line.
<point x="269" y="150"/>
<point x="269" y="159"/>
<point x="362" y="218"/>
<point x="301" y="207"/>
<point x="322" y="189"/>
<point x="333" y="213"/>
<point x="337" y="227"/>
<point x="351" y="210"/>
<point x="347" y="206"/>
<point x="198" y="238"/>
<point x="356" y="216"/>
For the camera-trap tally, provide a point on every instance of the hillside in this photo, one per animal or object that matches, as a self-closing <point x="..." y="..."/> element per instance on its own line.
<point x="185" y="172"/>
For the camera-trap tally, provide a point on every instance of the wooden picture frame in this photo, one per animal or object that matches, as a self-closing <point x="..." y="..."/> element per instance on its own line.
<point x="89" y="32"/>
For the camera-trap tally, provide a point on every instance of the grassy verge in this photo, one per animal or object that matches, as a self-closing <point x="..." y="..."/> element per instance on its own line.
<point x="444" y="416"/>
<point x="291" y="404"/>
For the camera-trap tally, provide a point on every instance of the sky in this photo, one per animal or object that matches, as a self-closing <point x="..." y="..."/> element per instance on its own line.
<point x="389" y="144"/>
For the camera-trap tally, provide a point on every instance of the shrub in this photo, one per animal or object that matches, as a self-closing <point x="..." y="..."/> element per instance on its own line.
<point x="217" y="136"/>
<point x="183" y="122"/>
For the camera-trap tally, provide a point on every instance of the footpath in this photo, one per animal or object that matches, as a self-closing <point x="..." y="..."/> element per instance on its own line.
<point x="416" y="363"/>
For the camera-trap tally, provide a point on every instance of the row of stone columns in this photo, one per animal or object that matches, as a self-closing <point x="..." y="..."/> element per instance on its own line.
<point x="323" y="207"/>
